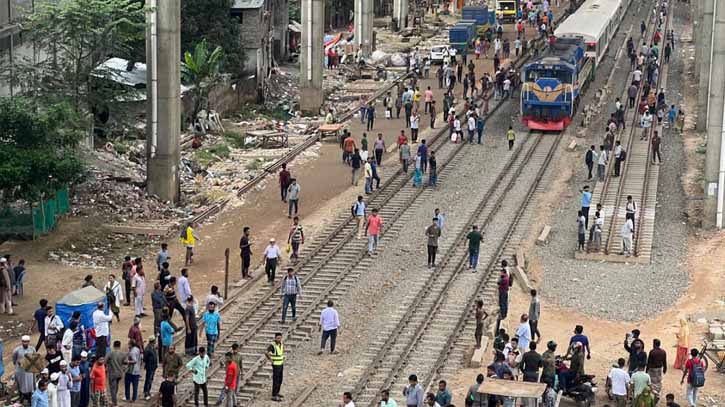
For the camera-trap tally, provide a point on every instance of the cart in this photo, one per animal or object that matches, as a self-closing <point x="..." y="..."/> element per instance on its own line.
<point x="269" y="138"/>
<point x="528" y="391"/>
<point x="715" y="351"/>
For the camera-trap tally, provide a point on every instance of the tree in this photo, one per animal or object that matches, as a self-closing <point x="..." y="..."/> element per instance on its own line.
<point x="201" y="70"/>
<point x="212" y="20"/>
<point x="75" y="37"/>
<point x="37" y="149"/>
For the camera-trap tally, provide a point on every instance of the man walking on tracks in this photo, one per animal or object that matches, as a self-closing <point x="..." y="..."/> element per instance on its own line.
<point x="511" y="137"/>
<point x="272" y="254"/>
<point x="358" y="211"/>
<point x="275" y="354"/>
<point x="329" y="323"/>
<point x="474" y="244"/>
<point x="291" y="288"/>
<point x="245" y="248"/>
<point x="433" y="232"/>
<point x="589" y="159"/>
<point x="627" y="232"/>
<point x="656" y="141"/>
<point x="631" y="209"/>
<point x="601" y="163"/>
<point x="618" y="157"/>
<point x="230" y="381"/>
<point x="372" y="230"/>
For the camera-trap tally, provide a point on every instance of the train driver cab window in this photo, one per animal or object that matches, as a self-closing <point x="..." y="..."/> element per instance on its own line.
<point x="560" y="75"/>
<point x="592" y="47"/>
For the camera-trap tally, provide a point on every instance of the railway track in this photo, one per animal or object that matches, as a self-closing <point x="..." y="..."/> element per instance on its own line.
<point x="326" y="271"/>
<point x="638" y="178"/>
<point x="415" y="330"/>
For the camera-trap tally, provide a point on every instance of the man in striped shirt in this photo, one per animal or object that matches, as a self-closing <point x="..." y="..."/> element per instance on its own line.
<point x="296" y="237"/>
<point x="291" y="288"/>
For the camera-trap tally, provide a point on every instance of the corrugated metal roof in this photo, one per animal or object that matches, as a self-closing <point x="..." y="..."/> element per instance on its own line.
<point x="247" y="4"/>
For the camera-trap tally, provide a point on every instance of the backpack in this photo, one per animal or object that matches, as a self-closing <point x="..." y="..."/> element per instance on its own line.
<point x="353" y="209"/>
<point x="697" y="374"/>
<point x="623" y="155"/>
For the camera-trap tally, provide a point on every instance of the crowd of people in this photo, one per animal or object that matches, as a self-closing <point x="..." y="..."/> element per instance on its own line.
<point x="646" y="63"/>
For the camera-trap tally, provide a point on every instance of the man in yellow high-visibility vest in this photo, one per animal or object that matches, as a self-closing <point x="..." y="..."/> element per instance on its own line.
<point x="275" y="354"/>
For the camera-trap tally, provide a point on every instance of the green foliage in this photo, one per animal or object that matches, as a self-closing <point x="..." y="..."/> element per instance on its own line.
<point x="206" y="156"/>
<point x="74" y="37"/>
<point x="37" y="149"/>
<point x="201" y="71"/>
<point x="235" y="139"/>
<point x="211" y="20"/>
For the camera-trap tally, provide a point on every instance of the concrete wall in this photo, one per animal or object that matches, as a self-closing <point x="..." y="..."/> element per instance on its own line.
<point x="280" y="24"/>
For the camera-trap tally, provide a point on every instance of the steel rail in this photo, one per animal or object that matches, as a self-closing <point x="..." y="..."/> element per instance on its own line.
<point x="458" y="267"/>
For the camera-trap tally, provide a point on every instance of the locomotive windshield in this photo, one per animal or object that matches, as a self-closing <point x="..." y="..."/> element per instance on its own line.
<point x="560" y="75"/>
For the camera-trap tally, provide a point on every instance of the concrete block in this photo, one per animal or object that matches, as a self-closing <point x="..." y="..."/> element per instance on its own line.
<point x="522" y="279"/>
<point x="572" y="145"/>
<point x="479" y="353"/>
<point x="520" y="258"/>
<point x="544" y="236"/>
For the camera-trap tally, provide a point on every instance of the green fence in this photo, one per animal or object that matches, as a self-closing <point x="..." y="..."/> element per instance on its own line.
<point x="40" y="218"/>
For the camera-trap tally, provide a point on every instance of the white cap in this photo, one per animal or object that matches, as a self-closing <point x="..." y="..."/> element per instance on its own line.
<point x="54" y="377"/>
<point x="63" y="363"/>
<point x="84" y="354"/>
<point x="45" y="370"/>
<point x="3" y="260"/>
<point x="271" y="240"/>
<point x="25" y="338"/>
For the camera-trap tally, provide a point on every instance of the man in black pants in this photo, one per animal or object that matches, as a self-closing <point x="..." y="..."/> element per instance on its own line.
<point x="246" y="252"/>
<point x="589" y="160"/>
<point x="275" y="354"/>
<point x="433" y="232"/>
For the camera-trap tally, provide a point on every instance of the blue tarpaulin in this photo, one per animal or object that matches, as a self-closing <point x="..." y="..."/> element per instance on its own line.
<point x="84" y="301"/>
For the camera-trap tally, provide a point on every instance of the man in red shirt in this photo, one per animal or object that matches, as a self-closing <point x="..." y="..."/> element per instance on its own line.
<point x="98" y="383"/>
<point x="230" y="381"/>
<point x="372" y="230"/>
<point x="284" y="181"/>
<point x="689" y="367"/>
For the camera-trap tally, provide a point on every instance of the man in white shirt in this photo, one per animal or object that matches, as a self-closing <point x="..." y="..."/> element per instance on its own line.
<point x="182" y="286"/>
<point x="602" y="163"/>
<point x="471" y="128"/>
<point x="66" y="346"/>
<point x="53" y="326"/>
<point x="627" y="232"/>
<point x="347" y="400"/>
<point x="619" y="379"/>
<point x="385" y="400"/>
<point x="617" y="158"/>
<point x="368" y="176"/>
<point x="329" y="322"/>
<point x="271" y="254"/>
<point x="637" y="76"/>
<point x="524" y="333"/>
<point x="101" y="323"/>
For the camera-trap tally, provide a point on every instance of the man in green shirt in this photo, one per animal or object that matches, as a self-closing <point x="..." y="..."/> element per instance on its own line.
<point x="198" y="366"/>
<point x="474" y="244"/>
<point x="237" y="358"/>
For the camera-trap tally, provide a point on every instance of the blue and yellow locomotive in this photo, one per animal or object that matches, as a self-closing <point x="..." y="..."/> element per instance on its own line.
<point x="552" y="85"/>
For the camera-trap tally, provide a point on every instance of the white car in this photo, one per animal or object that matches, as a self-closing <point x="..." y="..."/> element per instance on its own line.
<point x="437" y="53"/>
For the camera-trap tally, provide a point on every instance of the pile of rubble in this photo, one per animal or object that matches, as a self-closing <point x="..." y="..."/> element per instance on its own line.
<point x="102" y="251"/>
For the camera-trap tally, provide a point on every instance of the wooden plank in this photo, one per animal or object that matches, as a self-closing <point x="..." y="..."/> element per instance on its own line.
<point x="544" y="236"/>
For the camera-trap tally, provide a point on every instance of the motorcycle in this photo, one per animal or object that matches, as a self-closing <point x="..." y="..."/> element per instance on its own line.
<point x="582" y="391"/>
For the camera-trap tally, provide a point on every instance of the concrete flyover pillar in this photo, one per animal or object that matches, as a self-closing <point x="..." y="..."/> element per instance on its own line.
<point x="400" y="13"/>
<point x="715" y="117"/>
<point x="703" y="49"/>
<point x="364" y="25"/>
<point x="163" y="99"/>
<point x="311" y="58"/>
